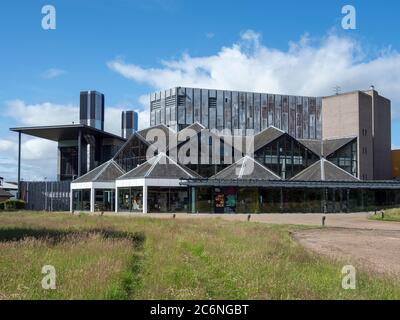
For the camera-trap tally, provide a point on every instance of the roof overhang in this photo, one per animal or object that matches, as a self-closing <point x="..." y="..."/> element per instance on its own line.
<point x="64" y="132"/>
<point x="394" y="185"/>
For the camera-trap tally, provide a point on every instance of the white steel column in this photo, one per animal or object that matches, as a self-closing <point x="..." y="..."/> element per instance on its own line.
<point x="144" y="198"/>
<point x="92" y="199"/>
<point x="116" y="200"/>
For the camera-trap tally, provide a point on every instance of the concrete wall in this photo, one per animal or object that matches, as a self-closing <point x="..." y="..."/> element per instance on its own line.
<point x="346" y="115"/>
<point x="381" y="136"/>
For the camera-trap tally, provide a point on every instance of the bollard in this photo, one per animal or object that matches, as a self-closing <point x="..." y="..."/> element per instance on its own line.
<point x="323" y="221"/>
<point x="174" y="216"/>
<point x="249" y="217"/>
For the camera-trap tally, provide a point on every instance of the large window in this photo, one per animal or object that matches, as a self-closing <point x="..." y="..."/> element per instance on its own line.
<point x="81" y="200"/>
<point x="167" y="199"/>
<point x="286" y="156"/>
<point x="104" y="200"/>
<point x="346" y="157"/>
<point x="68" y="162"/>
<point x="130" y="199"/>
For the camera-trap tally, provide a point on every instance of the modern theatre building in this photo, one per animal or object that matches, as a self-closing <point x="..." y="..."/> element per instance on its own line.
<point x="214" y="151"/>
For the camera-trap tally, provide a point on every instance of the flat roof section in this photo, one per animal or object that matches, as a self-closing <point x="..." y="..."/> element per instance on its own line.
<point x="64" y="132"/>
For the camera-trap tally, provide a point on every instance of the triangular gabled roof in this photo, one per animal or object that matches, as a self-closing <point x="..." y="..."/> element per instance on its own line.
<point x="266" y="136"/>
<point x="160" y="167"/>
<point x="134" y="135"/>
<point x="325" y="148"/>
<point x="107" y="172"/>
<point x="324" y="170"/>
<point x="246" y="168"/>
<point x="332" y="145"/>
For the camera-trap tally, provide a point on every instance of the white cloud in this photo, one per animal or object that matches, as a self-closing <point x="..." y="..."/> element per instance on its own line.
<point x="52" y="73"/>
<point x="306" y="68"/>
<point x="41" y="114"/>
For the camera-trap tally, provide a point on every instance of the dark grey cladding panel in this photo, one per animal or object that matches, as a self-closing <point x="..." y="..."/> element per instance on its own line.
<point x="106" y="172"/>
<point x="91" y="175"/>
<point x="331" y="172"/>
<point x="111" y="172"/>
<point x="160" y="167"/>
<point x="238" y="170"/>
<point x="138" y="172"/>
<point x="266" y="136"/>
<point x="313" y="145"/>
<point x="332" y="145"/>
<point x="334" y="173"/>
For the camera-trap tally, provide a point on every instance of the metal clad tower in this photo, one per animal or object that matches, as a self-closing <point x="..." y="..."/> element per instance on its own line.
<point x="92" y="109"/>
<point x="129" y="123"/>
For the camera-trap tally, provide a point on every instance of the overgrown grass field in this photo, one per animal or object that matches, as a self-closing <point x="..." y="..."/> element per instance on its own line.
<point x="389" y="215"/>
<point x="103" y="257"/>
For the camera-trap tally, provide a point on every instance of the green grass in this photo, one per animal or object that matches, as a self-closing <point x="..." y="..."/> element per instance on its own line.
<point x="142" y="258"/>
<point x="389" y="215"/>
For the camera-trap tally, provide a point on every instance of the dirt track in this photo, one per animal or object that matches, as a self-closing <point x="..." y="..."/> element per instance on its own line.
<point x="374" y="250"/>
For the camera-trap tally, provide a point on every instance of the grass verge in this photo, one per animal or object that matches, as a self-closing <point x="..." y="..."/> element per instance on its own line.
<point x="144" y="258"/>
<point x="389" y="215"/>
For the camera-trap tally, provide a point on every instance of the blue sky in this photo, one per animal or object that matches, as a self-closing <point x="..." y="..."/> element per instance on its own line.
<point x="120" y="48"/>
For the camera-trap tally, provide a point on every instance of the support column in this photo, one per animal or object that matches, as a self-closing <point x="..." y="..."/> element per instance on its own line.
<point x="144" y="199"/>
<point x="116" y="200"/>
<point x="19" y="166"/>
<point x="79" y="153"/>
<point x="71" y="201"/>
<point x="92" y="199"/>
<point x="193" y="200"/>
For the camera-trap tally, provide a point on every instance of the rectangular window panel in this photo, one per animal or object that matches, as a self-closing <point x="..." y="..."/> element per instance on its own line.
<point x="285" y="114"/>
<point x="158" y="117"/>
<point x="278" y="111"/>
<point x="299" y="118"/>
<point x="242" y="111"/>
<point x="213" y="118"/>
<point x="189" y="105"/>
<point x="220" y="110"/>
<point x="235" y="110"/>
<point x="257" y="112"/>
<point x="271" y="107"/>
<point x="152" y="118"/>
<point x="264" y="111"/>
<point x="306" y="118"/>
<point x="250" y="111"/>
<point x="204" y="107"/>
<point x="227" y="110"/>
<point x="196" y="106"/>
<point x="168" y="116"/>
<point x="319" y="119"/>
<point x="173" y="116"/>
<point x="312" y="111"/>
<point x="292" y="116"/>
<point x="181" y="114"/>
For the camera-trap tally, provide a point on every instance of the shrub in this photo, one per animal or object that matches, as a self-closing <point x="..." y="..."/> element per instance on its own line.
<point x="13" y="204"/>
<point x="1" y="205"/>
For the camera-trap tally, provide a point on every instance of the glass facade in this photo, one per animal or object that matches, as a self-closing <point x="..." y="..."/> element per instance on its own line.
<point x="132" y="154"/>
<point x="286" y="156"/>
<point x="346" y="157"/>
<point x="216" y="109"/>
<point x="291" y="200"/>
<point x="81" y="200"/>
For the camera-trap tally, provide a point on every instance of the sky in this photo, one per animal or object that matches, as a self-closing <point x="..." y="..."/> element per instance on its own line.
<point x="127" y="49"/>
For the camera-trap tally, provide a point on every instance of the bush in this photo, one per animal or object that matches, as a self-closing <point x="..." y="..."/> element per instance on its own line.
<point x="13" y="204"/>
<point x="1" y="205"/>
